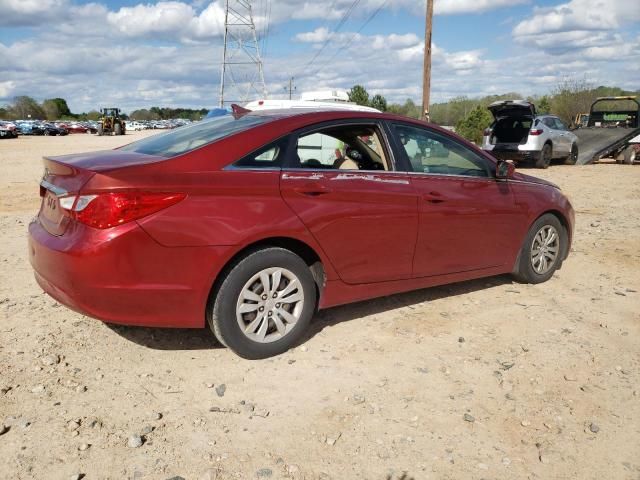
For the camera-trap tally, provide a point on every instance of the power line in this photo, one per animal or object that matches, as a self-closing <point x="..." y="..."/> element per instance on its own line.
<point x="342" y="21"/>
<point x="348" y="43"/>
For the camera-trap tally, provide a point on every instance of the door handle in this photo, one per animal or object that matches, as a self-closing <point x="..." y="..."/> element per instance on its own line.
<point x="312" y="189"/>
<point x="433" y="197"/>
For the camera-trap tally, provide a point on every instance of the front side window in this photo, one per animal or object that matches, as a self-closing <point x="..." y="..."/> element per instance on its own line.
<point x="345" y="147"/>
<point x="431" y="152"/>
<point x="187" y="138"/>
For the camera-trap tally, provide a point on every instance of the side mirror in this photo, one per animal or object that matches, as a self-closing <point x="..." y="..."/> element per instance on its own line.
<point x="505" y="169"/>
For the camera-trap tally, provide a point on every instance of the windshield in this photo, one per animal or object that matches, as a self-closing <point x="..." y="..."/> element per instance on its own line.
<point x="185" y="139"/>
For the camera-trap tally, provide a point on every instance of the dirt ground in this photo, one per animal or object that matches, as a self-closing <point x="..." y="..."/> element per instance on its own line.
<point x="485" y="379"/>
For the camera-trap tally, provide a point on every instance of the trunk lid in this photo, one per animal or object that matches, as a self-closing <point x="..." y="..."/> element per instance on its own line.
<point x="512" y="108"/>
<point x="64" y="176"/>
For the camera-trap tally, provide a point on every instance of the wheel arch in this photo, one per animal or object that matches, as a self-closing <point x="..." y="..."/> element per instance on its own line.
<point x="294" y="245"/>
<point x="565" y="224"/>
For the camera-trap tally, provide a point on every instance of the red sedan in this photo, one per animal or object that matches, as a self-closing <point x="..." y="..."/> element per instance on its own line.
<point x="250" y="222"/>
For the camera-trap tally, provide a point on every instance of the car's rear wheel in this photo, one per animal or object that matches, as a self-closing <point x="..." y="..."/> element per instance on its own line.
<point x="264" y="303"/>
<point x="573" y="156"/>
<point x="543" y="250"/>
<point x="544" y="158"/>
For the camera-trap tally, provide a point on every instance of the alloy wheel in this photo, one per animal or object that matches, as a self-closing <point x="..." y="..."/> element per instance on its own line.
<point x="545" y="249"/>
<point x="270" y="305"/>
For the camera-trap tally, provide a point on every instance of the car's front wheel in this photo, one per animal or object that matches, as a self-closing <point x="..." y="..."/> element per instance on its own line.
<point x="543" y="250"/>
<point x="264" y="304"/>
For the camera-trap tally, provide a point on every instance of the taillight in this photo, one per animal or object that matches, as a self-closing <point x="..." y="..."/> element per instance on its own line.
<point x="535" y="132"/>
<point x="105" y="210"/>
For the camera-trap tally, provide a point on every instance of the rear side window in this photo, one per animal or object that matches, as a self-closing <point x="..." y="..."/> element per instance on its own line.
<point x="185" y="139"/>
<point x="269" y="156"/>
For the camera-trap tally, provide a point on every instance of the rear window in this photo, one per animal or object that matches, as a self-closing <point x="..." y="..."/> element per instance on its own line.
<point x="185" y="139"/>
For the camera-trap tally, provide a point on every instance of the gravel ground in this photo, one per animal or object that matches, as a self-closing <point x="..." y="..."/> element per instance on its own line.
<point x="483" y="379"/>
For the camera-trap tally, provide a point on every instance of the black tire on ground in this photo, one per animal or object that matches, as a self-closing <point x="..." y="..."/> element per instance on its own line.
<point x="524" y="271"/>
<point x="221" y="311"/>
<point x="630" y="155"/>
<point x="118" y="129"/>
<point x="100" y="130"/>
<point x="544" y="158"/>
<point x="573" y="156"/>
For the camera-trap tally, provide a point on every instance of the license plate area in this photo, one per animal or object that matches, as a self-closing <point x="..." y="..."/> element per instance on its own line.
<point x="51" y="207"/>
<point x="52" y="216"/>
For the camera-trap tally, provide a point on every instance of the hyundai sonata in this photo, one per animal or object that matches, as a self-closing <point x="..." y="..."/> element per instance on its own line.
<point x="251" y="222"/>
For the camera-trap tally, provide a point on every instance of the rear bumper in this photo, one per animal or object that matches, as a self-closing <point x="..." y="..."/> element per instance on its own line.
<point x="518" y="156"/>
<point x="121" y="275"/>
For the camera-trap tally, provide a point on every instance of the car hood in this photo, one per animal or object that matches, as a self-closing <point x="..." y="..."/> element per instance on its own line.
<point x="512" y="108"/>
<point x="530" y="179"/>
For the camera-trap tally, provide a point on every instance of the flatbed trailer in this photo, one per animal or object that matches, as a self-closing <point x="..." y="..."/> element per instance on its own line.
<point x="612" y="131"/>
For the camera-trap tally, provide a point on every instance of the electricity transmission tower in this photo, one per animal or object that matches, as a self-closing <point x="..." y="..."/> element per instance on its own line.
<point x="241" y="76"/>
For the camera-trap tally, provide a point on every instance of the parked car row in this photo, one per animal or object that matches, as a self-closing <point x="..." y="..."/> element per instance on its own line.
<point x="157" y="124"/>
<point x="11" y="129"/>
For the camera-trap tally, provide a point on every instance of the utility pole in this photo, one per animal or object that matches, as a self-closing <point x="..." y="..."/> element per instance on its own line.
<point x="426" y="75"/>
<point x="291" y="88"/>
<point x="241" y="72"/>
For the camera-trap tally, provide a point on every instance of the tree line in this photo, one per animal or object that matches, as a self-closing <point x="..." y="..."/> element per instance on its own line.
<point x="470" y="115"/>
<point x="24" y="108"/>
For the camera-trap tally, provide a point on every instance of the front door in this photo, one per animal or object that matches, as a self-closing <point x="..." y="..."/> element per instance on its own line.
<point x="340" y="182"/>
<point x="466" y="215"/>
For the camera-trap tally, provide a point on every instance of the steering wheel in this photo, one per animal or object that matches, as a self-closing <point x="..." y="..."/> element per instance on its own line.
<point x="354" y="154"/>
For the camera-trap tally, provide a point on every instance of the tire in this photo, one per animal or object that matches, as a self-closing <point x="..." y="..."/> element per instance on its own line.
<point x="281" y="331"/>
<point x="630" y="155"/>
<point x="528" y="270"/>
<point x="118" y="129"/>
<point x="47" y="133"/>
<point x="544" y="158"/>
<point x="100" y="130"/>
<point x="573" y="156"/>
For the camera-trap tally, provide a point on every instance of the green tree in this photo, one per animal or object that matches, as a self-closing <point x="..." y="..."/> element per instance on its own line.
<point x="358" y="94"/>
<point x="93" y="115"/>
<point x="407" y="109"/>
<point x="58" y="107"/>
<point x="26" y="107"/>
<point x="472" y="126"/>
<point x="572" y="96"/>
<point x="543" y="105"/>
<point x="379" y="102"/>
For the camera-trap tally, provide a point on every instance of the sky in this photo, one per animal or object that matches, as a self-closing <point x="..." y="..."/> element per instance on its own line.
<point x="133" y="54"/>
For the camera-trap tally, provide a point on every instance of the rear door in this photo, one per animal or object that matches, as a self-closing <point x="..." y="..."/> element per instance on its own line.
<point x="340" y="181"/>
<point x="467" y="217"/>
<point x="563" y="135"/>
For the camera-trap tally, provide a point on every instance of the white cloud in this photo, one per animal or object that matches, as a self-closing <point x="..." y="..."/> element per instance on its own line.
<point x="320" y="34"/>
<point x="580" y="15"/>
<point x="19" y="13"/>
<point x="152" y="19"/>
<point x="444" y="7"/>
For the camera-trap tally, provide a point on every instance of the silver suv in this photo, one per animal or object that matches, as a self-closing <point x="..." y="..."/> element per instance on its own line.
<point x="518" y="134"/>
